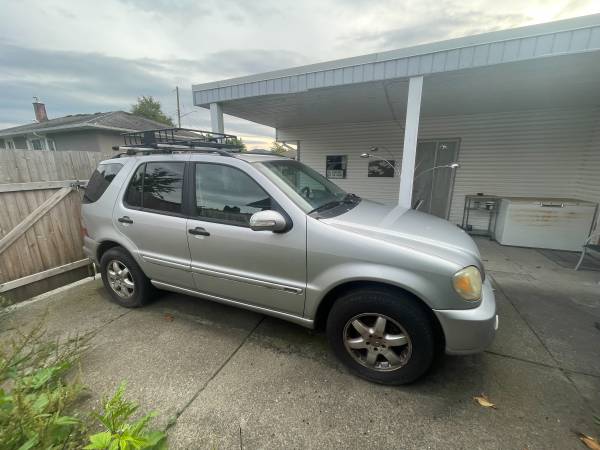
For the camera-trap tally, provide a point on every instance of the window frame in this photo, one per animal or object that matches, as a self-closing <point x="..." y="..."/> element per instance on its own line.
<point x="42" y="142"/>
<point x="344" y="170"/>
<point x="50" y="144"/>
<point x="192" y="206"/>
<point x="184" y="192"/>
<point x="9" y="144"/>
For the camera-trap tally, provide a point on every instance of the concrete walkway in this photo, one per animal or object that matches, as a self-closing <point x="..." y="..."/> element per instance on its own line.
<point x="226" y="378"/>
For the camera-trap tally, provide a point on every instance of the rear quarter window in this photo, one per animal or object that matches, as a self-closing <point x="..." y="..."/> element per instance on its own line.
<point x="100" y="180"/>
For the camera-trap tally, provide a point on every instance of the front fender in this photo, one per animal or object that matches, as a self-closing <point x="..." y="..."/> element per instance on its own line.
<point x="433" y="289"/>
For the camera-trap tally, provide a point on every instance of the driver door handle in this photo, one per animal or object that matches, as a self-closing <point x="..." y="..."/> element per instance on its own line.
<point x="198" y="231"/>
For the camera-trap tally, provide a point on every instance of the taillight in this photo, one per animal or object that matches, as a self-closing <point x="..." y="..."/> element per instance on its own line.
<point x="84" y="231"/>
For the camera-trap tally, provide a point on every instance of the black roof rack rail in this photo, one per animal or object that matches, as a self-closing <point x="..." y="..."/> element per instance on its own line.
<point x="169" y="140"/>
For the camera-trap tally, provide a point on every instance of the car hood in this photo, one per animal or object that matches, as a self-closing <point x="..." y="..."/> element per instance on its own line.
<point x="410" y="228"/>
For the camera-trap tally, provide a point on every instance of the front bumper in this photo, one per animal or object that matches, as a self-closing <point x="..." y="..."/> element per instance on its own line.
<point x="90" y="248"/>
<point x="470" y="330"/>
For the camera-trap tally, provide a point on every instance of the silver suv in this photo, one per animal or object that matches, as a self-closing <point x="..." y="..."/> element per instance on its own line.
<point x="391" y="286"/>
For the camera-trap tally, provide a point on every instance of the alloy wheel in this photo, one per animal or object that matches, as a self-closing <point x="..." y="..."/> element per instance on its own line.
<point x="377" y="341"/>
<point x="120" y="278"/>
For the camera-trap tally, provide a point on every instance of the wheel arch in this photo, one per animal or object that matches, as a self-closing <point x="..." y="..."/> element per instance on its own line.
<point x="338" y="291"/>
<point x="106" y="245"/>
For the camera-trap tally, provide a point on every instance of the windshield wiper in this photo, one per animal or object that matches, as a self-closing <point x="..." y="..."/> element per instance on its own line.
<point x="327" y="205"/>
<point x="348" y="198"/>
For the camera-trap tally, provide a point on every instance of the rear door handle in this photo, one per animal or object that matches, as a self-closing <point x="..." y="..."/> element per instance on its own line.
<point x="125" y="219"/>
<point x="198" y="231"/>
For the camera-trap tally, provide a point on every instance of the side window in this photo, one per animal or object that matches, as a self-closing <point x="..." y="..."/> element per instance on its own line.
<point x="157" y="186"/>
<point x="226" y="194"/>
<point x="133" y="196"/>
<point x="99" y="181"/>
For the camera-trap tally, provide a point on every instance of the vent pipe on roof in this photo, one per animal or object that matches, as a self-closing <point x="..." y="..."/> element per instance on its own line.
<point x="40" y="110"/>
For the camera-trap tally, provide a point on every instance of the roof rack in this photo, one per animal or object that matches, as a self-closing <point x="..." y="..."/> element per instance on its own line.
<point x="169" y="140"/>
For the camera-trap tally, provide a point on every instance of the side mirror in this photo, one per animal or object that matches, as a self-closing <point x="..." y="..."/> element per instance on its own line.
<point x="268" y="220"/>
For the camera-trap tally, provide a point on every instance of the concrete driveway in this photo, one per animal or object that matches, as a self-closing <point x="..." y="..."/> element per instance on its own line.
<point x="226" y="378"/>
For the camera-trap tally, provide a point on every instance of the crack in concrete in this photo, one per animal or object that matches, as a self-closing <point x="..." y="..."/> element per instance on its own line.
<point x="178" y="414"/>
<point x="537" y="363"/>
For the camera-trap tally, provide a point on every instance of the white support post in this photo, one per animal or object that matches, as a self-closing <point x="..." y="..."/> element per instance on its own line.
<point x="411" y="133"/>
<point x="216" y="118"/>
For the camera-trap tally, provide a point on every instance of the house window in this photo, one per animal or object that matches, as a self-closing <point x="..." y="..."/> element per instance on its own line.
<point x="36" y="144"/>
<point x="10" y="144"/>
<point x="379" y="168"/>
<point x="50" y="145"/>
<point x="336" y="166"/>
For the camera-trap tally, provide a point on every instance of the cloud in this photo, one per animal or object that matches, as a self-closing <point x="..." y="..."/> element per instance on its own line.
<point x="431" y="22"/>
<point x="76" y="82"/>
<point x="98" y="56"/>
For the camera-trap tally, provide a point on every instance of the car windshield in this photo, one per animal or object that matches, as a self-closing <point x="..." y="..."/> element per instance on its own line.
<point x="306" y="187"/>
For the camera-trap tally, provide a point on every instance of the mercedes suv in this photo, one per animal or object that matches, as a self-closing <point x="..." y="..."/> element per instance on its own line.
<point x="391" y="286"/>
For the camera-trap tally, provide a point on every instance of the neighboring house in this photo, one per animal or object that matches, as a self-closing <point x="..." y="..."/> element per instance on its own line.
<point x="89" y="132"/>
<point x="518" y="109"/>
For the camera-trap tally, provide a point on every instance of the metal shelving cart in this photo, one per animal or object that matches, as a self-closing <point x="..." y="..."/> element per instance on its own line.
<point x="486" y="204"/>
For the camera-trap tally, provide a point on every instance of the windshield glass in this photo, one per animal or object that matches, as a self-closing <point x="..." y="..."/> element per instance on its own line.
<point x="306" y="187"/>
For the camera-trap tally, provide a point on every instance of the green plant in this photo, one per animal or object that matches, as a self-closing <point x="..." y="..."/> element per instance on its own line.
<point x="119" y="434"/>
<point x="35" y="398"/>
<point x="151" y="109"/>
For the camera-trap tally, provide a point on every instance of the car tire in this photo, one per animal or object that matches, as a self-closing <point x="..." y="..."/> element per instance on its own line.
<point x="355" y="333"/>
<point x="124" y="280"/>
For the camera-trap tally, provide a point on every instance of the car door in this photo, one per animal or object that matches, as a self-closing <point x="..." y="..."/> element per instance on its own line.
<point x="150" y="214"/>
<point x="232" y="261"/>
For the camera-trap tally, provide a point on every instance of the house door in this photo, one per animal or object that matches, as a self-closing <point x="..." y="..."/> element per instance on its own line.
<point x="434" y="182"/>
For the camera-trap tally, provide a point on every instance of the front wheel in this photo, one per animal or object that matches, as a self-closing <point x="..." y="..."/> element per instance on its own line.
<point x="382" y="335"/>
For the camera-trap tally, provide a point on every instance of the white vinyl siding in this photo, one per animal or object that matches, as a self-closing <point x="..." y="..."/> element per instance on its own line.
<point x="525" y="153"/>
<point x="588" y="179"/>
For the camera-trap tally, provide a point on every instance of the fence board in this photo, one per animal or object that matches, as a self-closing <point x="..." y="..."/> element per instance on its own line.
<point x="55" y="239"/>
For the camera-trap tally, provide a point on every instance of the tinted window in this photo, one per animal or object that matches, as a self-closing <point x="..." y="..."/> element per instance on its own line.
<point x="99" y="181"/>
<point x="133" y="196"/>
<point x="228" y="195"/>
<point x="157" y="186"/>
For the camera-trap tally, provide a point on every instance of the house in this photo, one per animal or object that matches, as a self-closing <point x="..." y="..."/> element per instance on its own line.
<point x="90" y="132"/>
<point x="513" y="113"/>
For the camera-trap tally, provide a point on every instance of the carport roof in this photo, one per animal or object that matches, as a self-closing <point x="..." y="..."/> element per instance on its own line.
<point x="488" y="72"/>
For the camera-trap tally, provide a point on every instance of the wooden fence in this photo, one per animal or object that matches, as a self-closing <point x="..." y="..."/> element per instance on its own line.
<point x="40" y="236"/>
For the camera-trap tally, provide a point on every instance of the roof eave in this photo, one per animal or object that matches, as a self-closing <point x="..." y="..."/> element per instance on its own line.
<point x="480" y="50"/>
<point x="79" y="127"/>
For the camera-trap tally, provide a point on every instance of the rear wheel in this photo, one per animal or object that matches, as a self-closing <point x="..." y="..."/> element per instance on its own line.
<point x="382" y="335"/>
<point x="123" y="278"/>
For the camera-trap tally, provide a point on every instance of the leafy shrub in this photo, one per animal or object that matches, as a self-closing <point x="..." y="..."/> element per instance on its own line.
<point x="38" y="391"/>
<point x="34" y="396"/>
<point x="119" y="434"/>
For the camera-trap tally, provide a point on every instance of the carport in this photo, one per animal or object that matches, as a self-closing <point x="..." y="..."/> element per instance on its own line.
<point x="519" y="108"/>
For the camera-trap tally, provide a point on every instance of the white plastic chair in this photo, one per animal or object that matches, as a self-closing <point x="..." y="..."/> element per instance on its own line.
<point x="588" y="246"/>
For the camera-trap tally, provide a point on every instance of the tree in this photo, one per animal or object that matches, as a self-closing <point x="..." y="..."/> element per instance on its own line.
<point x="278" y="148"/>
<point x="150" y="109"/>
<point x="239" y="143"/>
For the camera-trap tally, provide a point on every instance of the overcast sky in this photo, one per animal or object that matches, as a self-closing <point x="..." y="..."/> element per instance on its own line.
<point x="89" y="56"/>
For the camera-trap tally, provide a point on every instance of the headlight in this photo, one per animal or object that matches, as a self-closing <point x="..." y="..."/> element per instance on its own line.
<point x="467" y="283"/>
